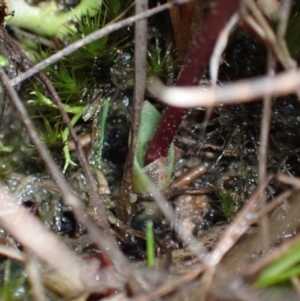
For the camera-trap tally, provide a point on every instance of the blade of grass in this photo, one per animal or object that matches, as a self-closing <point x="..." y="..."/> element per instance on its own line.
<point x="150" y="244"/>
<point x="104" y="113"/>
<point x="278" y="278"/>
<point x="281" y="265"/>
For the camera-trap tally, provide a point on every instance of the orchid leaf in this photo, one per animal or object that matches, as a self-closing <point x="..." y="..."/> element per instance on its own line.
<point x="160" y="171"/>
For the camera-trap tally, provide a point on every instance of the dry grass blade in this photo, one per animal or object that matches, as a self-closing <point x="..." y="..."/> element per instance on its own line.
<point x="264" y="146"/>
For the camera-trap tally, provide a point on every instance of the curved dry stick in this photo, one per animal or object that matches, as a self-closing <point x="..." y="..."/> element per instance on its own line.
<point x="239" y="92"/>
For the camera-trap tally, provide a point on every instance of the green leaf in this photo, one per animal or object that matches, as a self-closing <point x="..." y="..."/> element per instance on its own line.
<point x="160" y="171"/>
<point x="281" y="269"/>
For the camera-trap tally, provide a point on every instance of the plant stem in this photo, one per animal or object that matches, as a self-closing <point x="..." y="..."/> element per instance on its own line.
<point x="124" y="209"/>
<point x="150" y="244"/>
<point x="191" y="73"/>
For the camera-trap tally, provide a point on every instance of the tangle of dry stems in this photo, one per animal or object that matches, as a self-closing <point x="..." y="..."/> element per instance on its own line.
<point x="243" y="91"/>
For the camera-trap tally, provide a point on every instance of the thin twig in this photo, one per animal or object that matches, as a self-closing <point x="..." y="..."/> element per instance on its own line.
<point x="192" y="243"/>
<point x="264" y="146"/>
<point x="252" y="23"/>
<point x="220" y="47"/>
<point x="293" y="181"/>
<point x="140" y="49"/>
<point x="283" y="17"/>
<point x="272" y="205"/>
<point x="168" y="286"/>
<point x="296" y="283"/>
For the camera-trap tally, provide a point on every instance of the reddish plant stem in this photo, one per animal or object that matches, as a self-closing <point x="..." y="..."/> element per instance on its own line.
<point x="218" y="15"/>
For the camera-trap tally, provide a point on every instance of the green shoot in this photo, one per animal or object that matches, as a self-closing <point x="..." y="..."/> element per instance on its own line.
<point x="70" y="84"/>
<point x="227" y="203"/>
<point x="149" y="121"/>
<point x="150" y="244"/>
<point x="104" y="113"/>
<point x="282" y="269"/>
<point x="65" y="137"/>
<point x="95" y="54"/>
<point x="42" y="100"/>
<point x="158" y="65"/>
<point x="52" y="135"/>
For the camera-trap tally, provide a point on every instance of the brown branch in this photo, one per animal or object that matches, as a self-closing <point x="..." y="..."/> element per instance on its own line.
<point x="124" y="207"/>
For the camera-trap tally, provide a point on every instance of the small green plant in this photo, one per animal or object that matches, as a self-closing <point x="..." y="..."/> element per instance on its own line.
<point x="71" y="85"/>
<point x="52" y="136"/>
<point x="227" y="203"/>
<point x="160" y="65"/>
<point x="3" y="61"/>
